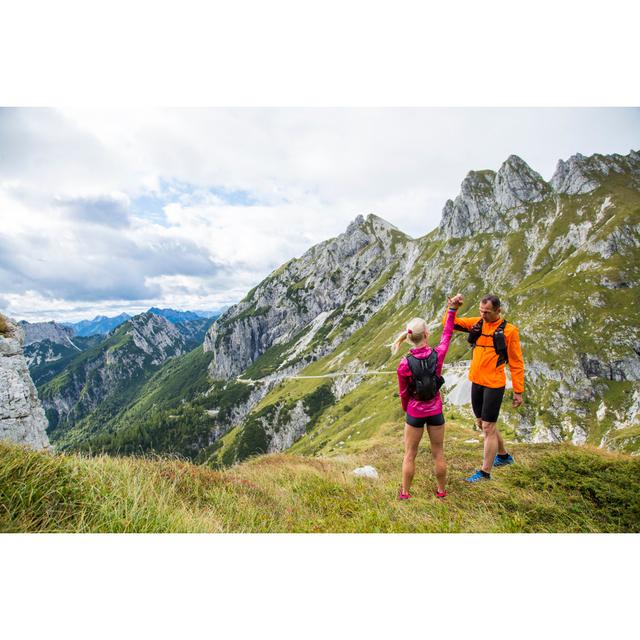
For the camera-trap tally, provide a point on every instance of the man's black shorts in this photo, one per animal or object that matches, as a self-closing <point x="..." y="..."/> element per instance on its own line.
<point x="430" y="421"/>
<point x="486" y="402"/>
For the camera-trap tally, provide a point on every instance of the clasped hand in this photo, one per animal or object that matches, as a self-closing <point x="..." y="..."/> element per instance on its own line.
<point x="456" y="301"/>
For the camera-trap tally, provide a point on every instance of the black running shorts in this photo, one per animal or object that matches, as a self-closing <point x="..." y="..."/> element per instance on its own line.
<point x="486" y="402"/>
<point x="430" y="421"/>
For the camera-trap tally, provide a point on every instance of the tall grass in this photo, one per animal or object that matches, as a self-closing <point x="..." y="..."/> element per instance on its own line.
<point x="552" y="488"/>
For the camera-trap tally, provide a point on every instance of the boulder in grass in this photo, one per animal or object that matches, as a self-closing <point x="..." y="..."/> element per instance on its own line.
<point x="366" y="472"/>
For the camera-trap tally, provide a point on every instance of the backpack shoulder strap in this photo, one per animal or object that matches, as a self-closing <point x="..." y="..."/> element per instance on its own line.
<point x="411" y="361"/>
<point x="500" y="344"/>
<point x="432" y="361"/>
<point x="475" y="332"/>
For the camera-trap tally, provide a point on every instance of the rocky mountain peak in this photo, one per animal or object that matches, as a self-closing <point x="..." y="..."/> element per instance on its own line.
<point x="354" y="238"/>
<point x="372" y="226"/>
<point x="38" y="331"/>
<point x="156" y="336"/>
<point x="582" y="174"/>
<point x="355" y="225"/>
<point x="478" y="181"/>
<point x="571" y="176"/>
<point x="319" y="283"/>
<point x="474" y="209"/>
<point x="380" y="223"/>
<point x="488" y="201"/>
<point x="517" y="183"/>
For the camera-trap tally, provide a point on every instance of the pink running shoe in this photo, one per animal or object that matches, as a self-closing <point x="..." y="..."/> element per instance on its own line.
<point x="441" y="494"/>
<point x="404" y="495"/>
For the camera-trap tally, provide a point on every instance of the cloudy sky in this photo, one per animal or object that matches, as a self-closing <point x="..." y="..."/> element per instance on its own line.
<point x="118" y="210"/>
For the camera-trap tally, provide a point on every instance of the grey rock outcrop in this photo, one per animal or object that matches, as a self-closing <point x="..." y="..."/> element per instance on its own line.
<point x="581" y="174"/>
<point x="474" y="210"/>
<point x="22" y="418"/>
<point x="487" y="200"/>
<point x="156" y="337"/>
<point x="516" y="183"/>
<point x="286" y="434"/>
<point x="38" y="331"/>
<point x="571" y="176"/>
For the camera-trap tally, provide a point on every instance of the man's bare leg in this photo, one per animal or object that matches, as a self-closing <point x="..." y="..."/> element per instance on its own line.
<point x="491" y="445"/>
<point x="501" y="448"/>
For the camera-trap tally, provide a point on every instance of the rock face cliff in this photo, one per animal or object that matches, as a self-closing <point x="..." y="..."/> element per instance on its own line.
<point x="486" y="197"/>
<point x="308" y="297"/>
<point x="51" y="331"/>
<point x="581" y="174"/>
<point x="22" y="418"/>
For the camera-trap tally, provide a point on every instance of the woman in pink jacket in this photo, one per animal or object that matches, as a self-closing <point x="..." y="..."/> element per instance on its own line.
<point x="423" y="412"/>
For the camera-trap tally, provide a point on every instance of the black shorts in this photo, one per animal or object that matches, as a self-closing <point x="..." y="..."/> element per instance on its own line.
<point x="430" y="421"/>
<point x="486" y="402"/>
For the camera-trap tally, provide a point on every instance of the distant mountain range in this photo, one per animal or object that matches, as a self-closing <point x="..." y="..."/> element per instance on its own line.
<point x="99" y="325"/>
<point x="50" y="347"/>
<point x="60" y="332"/>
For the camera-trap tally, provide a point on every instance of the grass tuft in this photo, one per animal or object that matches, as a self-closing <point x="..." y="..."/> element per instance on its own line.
<point x="5" y="328"/>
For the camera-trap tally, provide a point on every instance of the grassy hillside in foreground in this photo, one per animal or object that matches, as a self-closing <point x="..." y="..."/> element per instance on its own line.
<point x="553" y="488"/>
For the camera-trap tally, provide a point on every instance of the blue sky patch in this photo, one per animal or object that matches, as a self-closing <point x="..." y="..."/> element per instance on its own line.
<point x="150" y="205"/>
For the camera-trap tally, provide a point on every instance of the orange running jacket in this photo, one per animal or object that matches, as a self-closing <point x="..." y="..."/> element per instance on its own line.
<point x="483" y="365"/>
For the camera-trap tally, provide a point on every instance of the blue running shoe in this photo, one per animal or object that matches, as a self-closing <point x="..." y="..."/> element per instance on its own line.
<point x="499" y="462"/>
<point x="477" y="477"/>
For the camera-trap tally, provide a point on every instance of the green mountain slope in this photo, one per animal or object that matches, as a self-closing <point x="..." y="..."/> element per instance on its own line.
<point x="167" y="415"/>
<point x="46" y="359"/>
<point x="104" y="379"/>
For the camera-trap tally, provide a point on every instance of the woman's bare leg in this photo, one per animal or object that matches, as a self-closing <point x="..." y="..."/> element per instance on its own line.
<point x="436" y="437"/>
<point x="412" y="437"/>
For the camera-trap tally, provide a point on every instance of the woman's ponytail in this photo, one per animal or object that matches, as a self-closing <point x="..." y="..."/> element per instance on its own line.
<point x="402" y="337"/>
<point x="414" y="334"/>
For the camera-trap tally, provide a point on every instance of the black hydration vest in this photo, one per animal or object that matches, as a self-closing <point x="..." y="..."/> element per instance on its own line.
<point x="499" y="342"/>
<point x="425" y="383"/>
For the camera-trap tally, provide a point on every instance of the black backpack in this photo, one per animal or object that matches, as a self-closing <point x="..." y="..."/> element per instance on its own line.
<point x="499" y="342"/>
<point x="425" y="383"/>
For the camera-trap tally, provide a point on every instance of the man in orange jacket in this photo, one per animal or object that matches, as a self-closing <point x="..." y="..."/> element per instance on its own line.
<point x="496" y="343"/>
